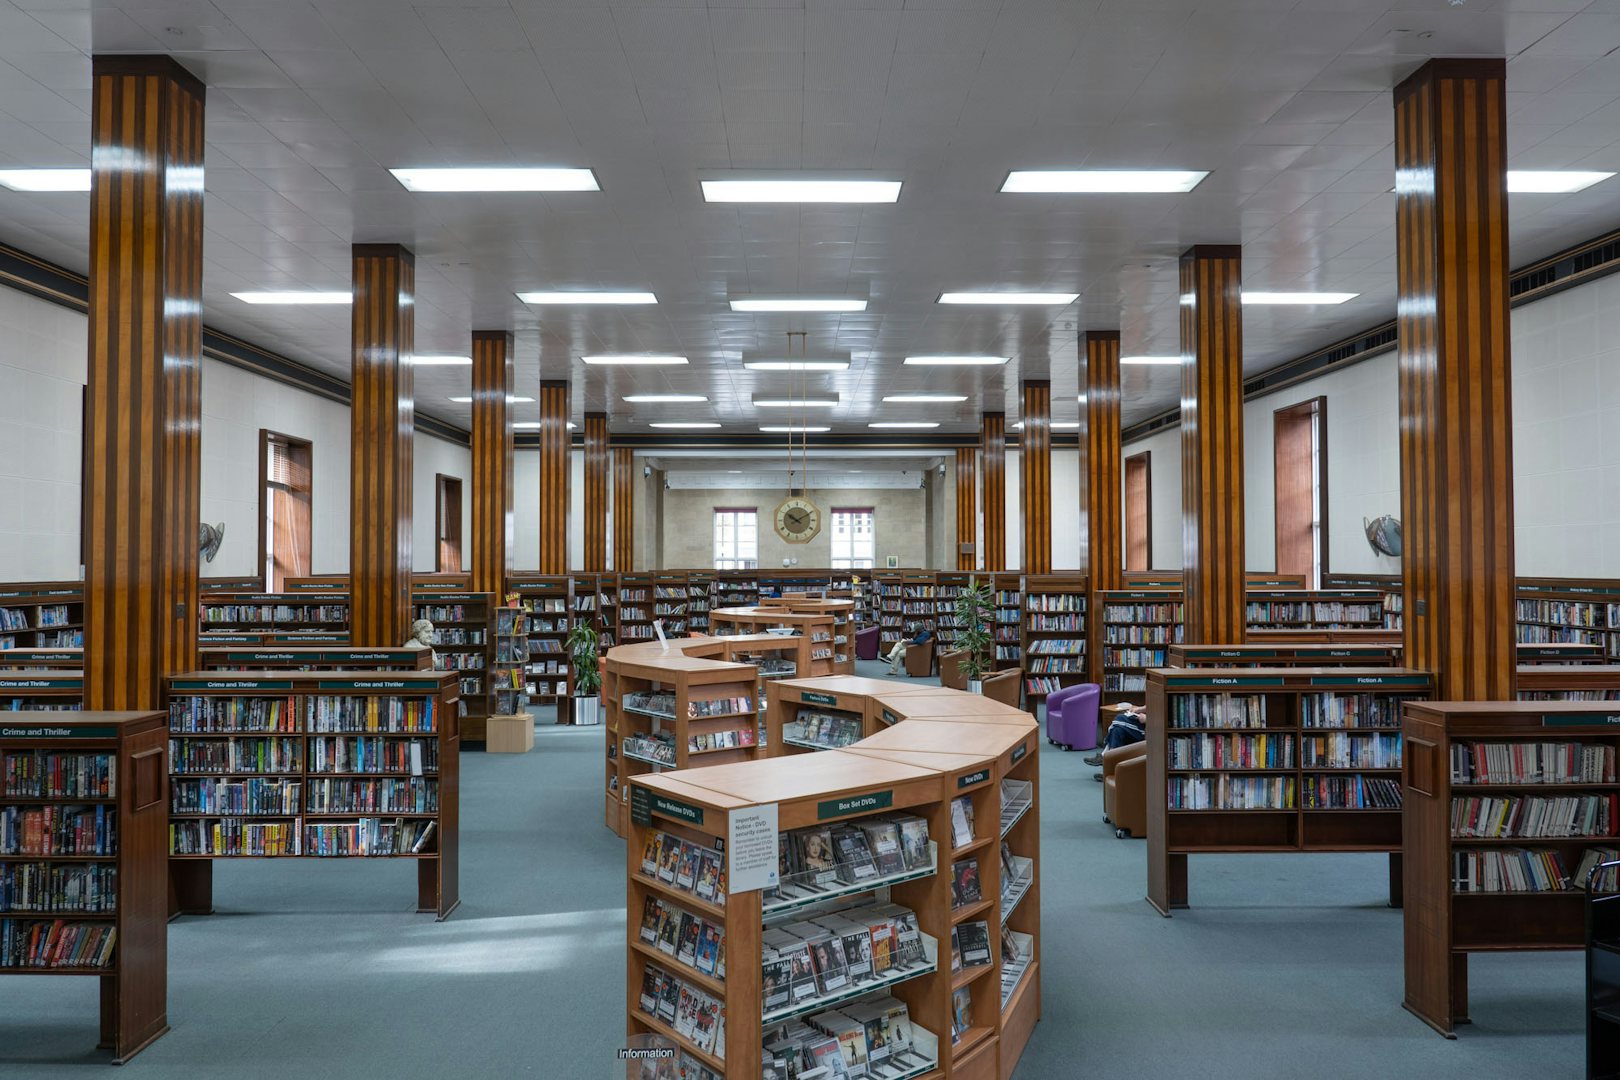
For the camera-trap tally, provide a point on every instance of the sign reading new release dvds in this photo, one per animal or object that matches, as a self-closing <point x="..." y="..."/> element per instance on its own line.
<point x="751" y="839"/>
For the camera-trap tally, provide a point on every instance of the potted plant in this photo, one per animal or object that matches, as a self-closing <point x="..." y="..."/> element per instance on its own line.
<point x="582" y="644"/>
<point x="973" y="635"/>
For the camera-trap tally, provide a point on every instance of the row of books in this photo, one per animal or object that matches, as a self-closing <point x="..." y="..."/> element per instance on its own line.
<point x="1133" y="658"/>
<point x="438" y="613"/>
<point x="51" y="774"/>
<point x="1515" y="870"/>
<point x="1381" y="750"/>
<point x="1058" y="647"/>
<point x="1225" y="791"/>
<point x="1350" y="710"/>
<point x="691" y="939"/>
<point x="1043" y="623"/>
<point x="1271" y="751"/>
<point x="370" y="836"/>
<point x="1491" y="818"/>
<point x="58" y="830"/>
<point x="1048" y="601"/>
<point x="1563" y="612"/>
<point x="1217" y="711"/>
<point x="414" y="795"/>
<point x="31" y="943"/>
<point x="1143" y="613"/>
<point x="1532" y="763"/>
<point x="824" y="729"/>
<point x="48" y="888"/>
<point x="686" y="866"/>
<point x="696" y="1016"/>
<point x="1260" y="612"/>
<point x="1355" y="792"/>
<point x="871" y="1038"/>
<point x="1056" y="665"/>
<point x="256" y="796"/>
<point x="278" y="613"/>
<point x="1131" y="634"/>
<point x="365" y="714"/>
<point x="282" y="754"/>
<point x="837" y="952"/>
<point x="230" y="715"/>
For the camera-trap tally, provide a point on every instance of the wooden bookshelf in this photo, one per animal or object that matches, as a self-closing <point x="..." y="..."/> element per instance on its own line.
<point x="118" y="762"/>
<point x="818" y="627"/>
<point x="41" y="615"/>
<point x="735" y="588"/>
<point x="699" y="600"/>
<point x="1053" y="643"/>
<point x="47" y="690"/>
<point x="948" y="585"/>
<point x="465" y="643"/>
<point x="1219" y="738"/>
<point x="1007" y="626"/>
<point x="1284" y="654"/>
<point x="1556" y="610"/>
<point x="1314" y="609"/>
<point x="1389" y="586"/>
<point x="914" y="768"/>
<point x="275" y="770"/>
<point x="886" y="603"/>
<point x="1446" y="917"/>
<point x="636" y="608"/>
<point x="308" y="609"/>
<point x="314" y="657"/>
<point x="1571" y="682"/>
<point x="548" y="602"/>
<point x="669" y="602"/>
<point x="1136" y="628"/>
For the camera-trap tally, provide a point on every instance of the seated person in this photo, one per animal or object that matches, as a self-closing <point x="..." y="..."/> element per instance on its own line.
<point x="1125" y="729"/>
<point x="897" y="655"/>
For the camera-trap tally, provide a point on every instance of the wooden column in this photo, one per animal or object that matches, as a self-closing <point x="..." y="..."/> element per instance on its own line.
<point x="556" y="472"/>
<point x="967" y="510"/>
<point x="1035" y="476"/>
<point x="382" y="424"/>
<point x="1212" y="443"/>
<point x="1455" y="400"/>
<point x="1102" y="527"/>
<point x="993" y="466"/>
<point x="491" y="460"/>
<point x="597" y="464"/>
<point x="143" y="393"/>
<point x="624" y="510"/>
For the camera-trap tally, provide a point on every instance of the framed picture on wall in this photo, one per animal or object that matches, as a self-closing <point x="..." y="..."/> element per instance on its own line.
<point x="894" y="562"/>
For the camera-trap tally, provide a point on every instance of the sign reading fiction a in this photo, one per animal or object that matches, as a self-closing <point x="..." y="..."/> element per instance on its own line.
<point x="1580" y="720"/>
<point x="855" y="804"/>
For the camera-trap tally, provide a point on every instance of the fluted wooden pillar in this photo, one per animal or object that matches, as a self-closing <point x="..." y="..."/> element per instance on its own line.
<point x="143" y="393"/>
<point x="1455" y="379"/>
<point x="597" y="464"/>
<point x="993" y="470"/>
<point x="382" y="426"/>
<point x="1035" y="476"/>
<point x="967" y="510"/>
<point x="624" y="509"/>
<point x="491" y="460"/>
<point x="1212" y="443"/>
<point x="556" y="471"/>
<point x="1102" y="557"/>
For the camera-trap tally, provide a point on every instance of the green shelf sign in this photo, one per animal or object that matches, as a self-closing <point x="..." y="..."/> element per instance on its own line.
<point x="1369" y="680"/>
<point x="370" y="684"/>
<point x="1184" y="682"/>
<point x="675" y="808"/>
<point x="819" y="699"/>
<point x="41" y="684"/>
<point x="232" y="684"/>
<point x="1561" y="720"/>
<point x="1019" y="752"/>
<point x="856" y="804"/>
<point x="54" y="731"/>
<point x="977" y="777"/>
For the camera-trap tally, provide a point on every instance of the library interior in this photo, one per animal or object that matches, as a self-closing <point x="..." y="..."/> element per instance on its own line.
<point x="709" y="486"/>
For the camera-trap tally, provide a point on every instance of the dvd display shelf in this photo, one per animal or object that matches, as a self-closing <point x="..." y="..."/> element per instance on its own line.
<point x="82" y="885"/>
<point x="319" y="765"/>
<point x="48" y="690"/>
<point x="1276" y="760"/>
<point x="1507" y="805"/>
<point x="41" y="615"/>
<point x="1052" y="647"/>
<point x="818" y="624"/>
<point x="312" y="658"/>
<point x="806" y="715"/>
<point x="842" y="611"/>
<point x="1285" y="654"/>
<point x="852" y="952"/>
<point x="1314" y="609"/>
<point x="548" y="603"/>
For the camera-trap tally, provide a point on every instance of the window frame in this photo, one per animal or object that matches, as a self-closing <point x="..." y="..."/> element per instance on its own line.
<point x="300" y="501"/>
<point x="738" y="561"/>
<point x="851" y="561"/>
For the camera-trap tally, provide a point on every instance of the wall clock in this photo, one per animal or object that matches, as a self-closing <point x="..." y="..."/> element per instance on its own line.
<point x="797" y="520"/>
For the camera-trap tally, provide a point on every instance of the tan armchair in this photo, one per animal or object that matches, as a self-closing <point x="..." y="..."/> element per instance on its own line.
<point x="920" y="660"/>
<point x="1125" y="789"/>
<point x="951" y="673"/>
<point x="1004" y="686"/>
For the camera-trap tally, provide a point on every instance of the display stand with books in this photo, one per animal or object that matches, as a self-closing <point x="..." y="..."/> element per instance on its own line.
<point x="82" y="886"/>
<point x="1508" y="805"/>
<point x="313" y="657"/>
<point x="1052" y="649"/>
<point x="41" y="615"/>
<point x="465" y="642"/>
<point x="52" y="689"/>
<point x="1273" y="760"/>
<point x="324" y="764"/>
<point x="818" y="626"/>
<point x="882" y="943"/>
<point x="548" y="603"/>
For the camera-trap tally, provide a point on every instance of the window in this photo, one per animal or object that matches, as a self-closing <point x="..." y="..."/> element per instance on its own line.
<point x="854" y="538"/>
<point x="1139" y="511"/>
<point x="284" y="502"/>
<point x="1300" y="472"/>
<point x="447" y="523"/>
<point x="736" y="538"/>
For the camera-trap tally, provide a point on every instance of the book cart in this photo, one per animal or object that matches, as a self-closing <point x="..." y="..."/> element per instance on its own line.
<point x="313" y="657"/>
<point x="41" y="615"/>
<point x="324" y="764"/>
<point x="1273" y="760"/>
<point x="771" y="997"/>
<point x="1506" y="802"/>
<point x="52" y="690"/>
<point x="82" y="889"/>
<point x="1054" y="635"/>
<point x="1285" y="654"/>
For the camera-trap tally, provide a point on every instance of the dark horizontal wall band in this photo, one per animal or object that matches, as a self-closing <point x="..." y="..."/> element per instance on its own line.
<point x="63" y="287"/>
<point x="766" y="444"/>
<point x="1578" y="265"/>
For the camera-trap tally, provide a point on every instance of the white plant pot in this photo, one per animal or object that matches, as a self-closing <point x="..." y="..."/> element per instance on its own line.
<point x="587" y="711"/>
<point x="975" y="686"/>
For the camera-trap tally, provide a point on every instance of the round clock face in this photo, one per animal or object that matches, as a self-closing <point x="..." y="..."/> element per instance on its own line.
<point x="797" y="520"/>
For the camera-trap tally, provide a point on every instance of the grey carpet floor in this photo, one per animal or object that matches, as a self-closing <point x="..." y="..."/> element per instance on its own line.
<point x="1284" y="967"/>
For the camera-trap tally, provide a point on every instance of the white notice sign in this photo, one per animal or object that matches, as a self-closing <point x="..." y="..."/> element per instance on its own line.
<point x="751" y="846"/>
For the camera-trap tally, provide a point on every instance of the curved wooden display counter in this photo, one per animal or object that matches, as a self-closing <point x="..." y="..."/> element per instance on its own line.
<point x="932" y="747"/>
<point x="827" y="623"/>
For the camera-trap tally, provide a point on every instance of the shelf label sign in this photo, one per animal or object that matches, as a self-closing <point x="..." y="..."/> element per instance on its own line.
<point x="1227" y="680"/>
<point x="53" y="731"/>
<point x="640" y="804"/>
<point x="1580" y="720"/>
<point x="675" y="808"/>
<point x="890" y="718"/>
<point x="39" y="684"/>
<point x="855" y="804"/>
<point x="978" y="776"/>
<point x="751" y="839"/>
<point x="1370" y="680"/>
<point x="231" y="684"/>
<point x="1019" y="751"/>
<point x="810" y="698"/>
<point x="369" y="684"/>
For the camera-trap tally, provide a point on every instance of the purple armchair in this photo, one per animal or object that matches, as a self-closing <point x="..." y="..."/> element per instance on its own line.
<point x="866" y="643"/>
<point x="1071" y="716"/>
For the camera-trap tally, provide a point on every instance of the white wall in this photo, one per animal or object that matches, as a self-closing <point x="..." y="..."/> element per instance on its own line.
<point x="526" y="511"/>
<point x="1015" y="510"/>
<point x="1065" y="509"/>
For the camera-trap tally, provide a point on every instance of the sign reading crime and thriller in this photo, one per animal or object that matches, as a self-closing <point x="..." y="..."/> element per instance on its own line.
<point x="52" y="731"/>
<point x="855" y="804"/>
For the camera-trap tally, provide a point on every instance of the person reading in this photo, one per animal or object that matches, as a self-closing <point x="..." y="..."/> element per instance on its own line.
<point x="897" y="655"/>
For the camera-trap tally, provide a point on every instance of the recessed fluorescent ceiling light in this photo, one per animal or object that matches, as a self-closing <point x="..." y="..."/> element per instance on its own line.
<point x="1093" y="181"/>
<point x="295" y="297"/>
<point x="904" y="424"/>
<point x="442" y="361"/>
<point x="790" y="403"/>
<point x="509" y="400"/>
<point x="801" y="304"/>
<point x="801" y="191"/>
<point x="1050" y="299"/>
<point x="796" y="365"/>
<point x="1552" y="182"/>
<point x="1298" y="298"/>
<point x="694" y="425"/>
<point x="497" y="179"/>
<point x="672" y="399"/>
<point x="1057" y="425"/>
<point x="1150" y="360"/>
<point x="46" y="179"/>
<point x="635" y="360"/>
<point x="583" y="297"/>
<point x="792" y="429"/>
<point x="956" y="361"/>
<point x="923" y="399"/>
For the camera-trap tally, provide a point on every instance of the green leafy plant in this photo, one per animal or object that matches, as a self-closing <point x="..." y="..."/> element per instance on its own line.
<point x="973" y="636"/>
<point x="582" y="644"/>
